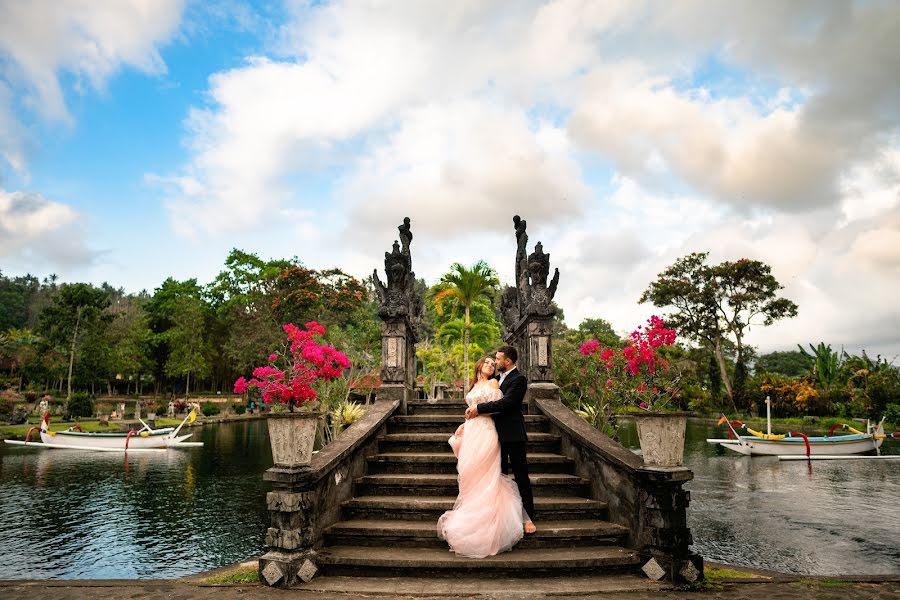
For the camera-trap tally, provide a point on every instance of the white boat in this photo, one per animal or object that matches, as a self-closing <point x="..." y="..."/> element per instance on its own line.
<point x="145" y="439"/>
<point x="800" y="444"/>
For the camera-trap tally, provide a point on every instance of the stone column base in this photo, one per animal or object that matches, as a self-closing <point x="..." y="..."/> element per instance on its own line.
<point x="688" y="569"/>
<point x="287" y="569"/>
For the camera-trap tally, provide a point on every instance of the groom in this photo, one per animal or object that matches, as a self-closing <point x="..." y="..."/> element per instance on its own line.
<point x="507" y="414"/>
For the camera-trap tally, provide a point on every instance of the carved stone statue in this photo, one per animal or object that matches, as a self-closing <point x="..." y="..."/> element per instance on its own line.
<point x="509" y="310"/>
<point x="539" y="294"/>
<point x="399" y="297"/>
<point x="521" y="256"/>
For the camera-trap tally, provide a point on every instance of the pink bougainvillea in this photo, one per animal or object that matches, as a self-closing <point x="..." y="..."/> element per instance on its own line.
<point x="292" y="374"/>
<point x="630" y="371"/>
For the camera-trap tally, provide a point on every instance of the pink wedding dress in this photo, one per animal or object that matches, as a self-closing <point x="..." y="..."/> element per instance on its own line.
<point x="487" y="517"/>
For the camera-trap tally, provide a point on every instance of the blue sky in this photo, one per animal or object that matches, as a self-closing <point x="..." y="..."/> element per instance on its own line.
<point x="141" y="141"/>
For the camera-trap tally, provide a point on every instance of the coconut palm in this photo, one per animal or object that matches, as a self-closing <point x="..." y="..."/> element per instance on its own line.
<point x="464" y="286"/>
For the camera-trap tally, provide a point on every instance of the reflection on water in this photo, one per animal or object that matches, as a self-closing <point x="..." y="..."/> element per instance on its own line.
<point x="818" y="518"/>
<point x="70" y="514"/>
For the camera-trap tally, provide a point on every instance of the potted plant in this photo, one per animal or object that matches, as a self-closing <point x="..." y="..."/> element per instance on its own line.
<point x="633" y="377"/>
<point x="288" y="382"/>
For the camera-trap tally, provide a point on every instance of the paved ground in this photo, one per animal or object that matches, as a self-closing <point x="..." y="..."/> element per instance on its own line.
<point x="122" y="590"/>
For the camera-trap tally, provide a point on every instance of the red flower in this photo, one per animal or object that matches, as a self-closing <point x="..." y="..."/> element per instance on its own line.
<point x="590" y="347"/>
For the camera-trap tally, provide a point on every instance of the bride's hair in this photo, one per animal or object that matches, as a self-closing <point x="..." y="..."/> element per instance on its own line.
<point x="478" y="366"/>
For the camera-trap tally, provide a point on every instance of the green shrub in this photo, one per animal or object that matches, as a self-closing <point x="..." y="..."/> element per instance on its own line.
<point x="892" y="414"/>
<point x="7" y="407"/>
<point x="240" y="408"/>
<point x="80" y="405"/>
<point x="209" y="409"/>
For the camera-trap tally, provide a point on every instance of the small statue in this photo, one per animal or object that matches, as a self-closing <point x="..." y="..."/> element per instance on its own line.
<point x="539" y="295"/>
<point x="509" y="310"/>
<point x="399" y="297"/>
<point x="393" y="296"/>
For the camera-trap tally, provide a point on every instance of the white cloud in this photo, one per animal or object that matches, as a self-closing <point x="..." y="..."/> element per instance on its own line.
<point x="37" y="232"/>
<point x="88" y="39"/>
<point x="464" y="169"/>
<point x="628" y="134"/>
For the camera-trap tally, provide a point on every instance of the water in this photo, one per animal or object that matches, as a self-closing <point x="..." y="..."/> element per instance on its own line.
<point x="72" y="515"/>
<point x="811" y="518"/>
<point x="90" y="515"/>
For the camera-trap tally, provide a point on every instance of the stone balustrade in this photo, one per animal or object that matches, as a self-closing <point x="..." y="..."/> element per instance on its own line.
<point x="306" y="500"/>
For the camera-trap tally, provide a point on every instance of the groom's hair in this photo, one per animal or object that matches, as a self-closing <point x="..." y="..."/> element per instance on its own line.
<point x="510" y="353"/>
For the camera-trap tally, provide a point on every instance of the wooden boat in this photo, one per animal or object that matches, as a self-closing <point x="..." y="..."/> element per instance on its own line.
<point x="800" y="444"/>
<point x="145" y="439"/>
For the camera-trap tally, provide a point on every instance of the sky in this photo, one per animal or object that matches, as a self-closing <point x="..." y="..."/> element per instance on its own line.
<point x="143" y="139"/>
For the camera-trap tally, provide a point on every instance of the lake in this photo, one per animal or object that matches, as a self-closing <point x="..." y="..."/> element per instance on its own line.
<point x="81" y="515"/>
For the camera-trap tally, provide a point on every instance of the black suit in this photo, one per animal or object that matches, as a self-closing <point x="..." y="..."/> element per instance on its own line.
<point x="510" y="424"/>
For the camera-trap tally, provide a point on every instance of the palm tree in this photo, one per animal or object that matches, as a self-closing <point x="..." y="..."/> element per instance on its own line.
<point x="464" y="286"/>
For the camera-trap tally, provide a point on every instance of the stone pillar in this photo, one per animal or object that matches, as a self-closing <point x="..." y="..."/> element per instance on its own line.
<point x="398" y="361"/>
<point x="666" y="536"/>
<point x="289" y="558"/>
<point x="533" y="340"/>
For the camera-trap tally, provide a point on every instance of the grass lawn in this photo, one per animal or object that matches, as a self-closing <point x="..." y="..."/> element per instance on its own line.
<point x="241" y="574"/>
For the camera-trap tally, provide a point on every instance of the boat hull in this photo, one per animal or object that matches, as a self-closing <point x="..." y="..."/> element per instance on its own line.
<point x="753" y="446"/>
<point x="73" y="439"/>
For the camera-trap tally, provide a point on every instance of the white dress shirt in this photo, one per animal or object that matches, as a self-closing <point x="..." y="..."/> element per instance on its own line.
<point x="505" y="373"/>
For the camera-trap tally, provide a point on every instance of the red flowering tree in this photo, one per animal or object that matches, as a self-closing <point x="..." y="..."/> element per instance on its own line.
<point x="292" y="373"/>
<point x="629" y="375"/>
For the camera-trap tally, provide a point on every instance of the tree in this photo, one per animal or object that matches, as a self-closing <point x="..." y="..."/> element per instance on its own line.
<point x="19" y="345"/>
<point x="13" y="304"/>
<point x="597" y="329"/>
<point x="719" y="302"/>
<point x="77" y="307"/>
<point x="130" y="338"/>
<point x="463" y="286"/>
<point x="790" y="363"/>
<point x="188" y="352"/>
<point x="161" y="310"/>
<point x="823" y="364"/>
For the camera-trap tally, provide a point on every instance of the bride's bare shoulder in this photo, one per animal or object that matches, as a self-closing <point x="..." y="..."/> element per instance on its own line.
<point x="494" y="384"/>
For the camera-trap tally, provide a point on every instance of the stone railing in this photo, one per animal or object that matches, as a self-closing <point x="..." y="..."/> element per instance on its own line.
<point x="649" y="501"/>
<point x="305" y="501"/>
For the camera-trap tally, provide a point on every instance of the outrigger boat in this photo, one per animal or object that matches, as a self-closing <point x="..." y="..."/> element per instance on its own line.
<point x="141" y="440"/>
<point x="800" y="444"/>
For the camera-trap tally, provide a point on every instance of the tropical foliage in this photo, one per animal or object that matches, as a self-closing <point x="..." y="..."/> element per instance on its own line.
<point x="184" y="336"/>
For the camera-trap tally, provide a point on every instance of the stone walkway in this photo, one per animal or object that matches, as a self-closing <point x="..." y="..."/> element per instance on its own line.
<point x="159" y="590"/>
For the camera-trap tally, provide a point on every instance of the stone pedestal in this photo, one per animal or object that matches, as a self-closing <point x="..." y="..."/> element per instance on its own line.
<point x="532" y="337"/>
<point x="398" y="361"/>
<point x="290" y="558"/>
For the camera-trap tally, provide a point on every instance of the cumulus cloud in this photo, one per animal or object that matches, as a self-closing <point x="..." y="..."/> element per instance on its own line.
<point x="87" y="39"/>
<point x="37" y="231"/>
<point x="460" y="170"/>
<point x="627" y="133"/>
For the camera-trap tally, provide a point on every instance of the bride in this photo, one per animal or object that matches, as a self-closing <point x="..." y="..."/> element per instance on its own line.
<point x="487" y="517"/>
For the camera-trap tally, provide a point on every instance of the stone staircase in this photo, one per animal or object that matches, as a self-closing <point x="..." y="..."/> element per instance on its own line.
<point x="388" y="528"/>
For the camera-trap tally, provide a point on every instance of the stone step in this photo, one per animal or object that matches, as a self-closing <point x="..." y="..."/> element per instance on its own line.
<point x="637" y="586"/>
<point x="436" y="562"/>
<point x="445" y="484"/>
<point x="423" y="534"/>
<point x="448" y="423"/>
<point x="442" y="407"/>
<point x="429" y="508"/>
<point x="445" y="462"/>
<point x="437" y="442"/>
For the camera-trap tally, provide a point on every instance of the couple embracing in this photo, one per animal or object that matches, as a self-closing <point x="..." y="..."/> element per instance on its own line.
<point x="492" y="512"/>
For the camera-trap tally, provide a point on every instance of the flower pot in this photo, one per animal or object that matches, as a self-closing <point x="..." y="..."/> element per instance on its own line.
<point x="662" y="438"/>
<point x="292" y="436"/>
